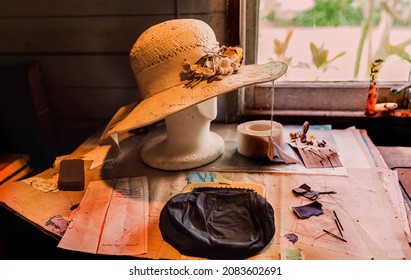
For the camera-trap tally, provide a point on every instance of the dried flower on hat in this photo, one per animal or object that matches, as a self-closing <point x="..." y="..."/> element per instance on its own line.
<point x="215" y="63"/>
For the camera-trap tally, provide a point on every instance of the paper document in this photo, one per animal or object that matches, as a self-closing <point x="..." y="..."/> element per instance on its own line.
<point x="98" y="155"/>
<point x="112" y="218"/>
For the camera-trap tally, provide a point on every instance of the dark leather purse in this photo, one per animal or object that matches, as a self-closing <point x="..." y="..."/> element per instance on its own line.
<point x="218" y="223"/>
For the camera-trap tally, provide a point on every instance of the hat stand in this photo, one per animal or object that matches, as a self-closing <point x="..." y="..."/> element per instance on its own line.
<point x="188" y="142"/>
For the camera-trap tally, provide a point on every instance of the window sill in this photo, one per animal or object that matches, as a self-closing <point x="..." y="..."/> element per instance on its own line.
<point x="313" y="99"/>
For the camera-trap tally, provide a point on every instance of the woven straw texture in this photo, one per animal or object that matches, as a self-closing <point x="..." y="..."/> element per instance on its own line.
<point x="170" y="39"/>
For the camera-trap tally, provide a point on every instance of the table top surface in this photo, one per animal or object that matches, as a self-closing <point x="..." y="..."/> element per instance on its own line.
<point x="368" y="198"/>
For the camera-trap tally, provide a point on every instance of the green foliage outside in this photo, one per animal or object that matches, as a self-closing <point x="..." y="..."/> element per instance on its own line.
<point x="367" y="15"/>
<point x="270" y="16"/>
<point x="333" y="13"/>
<point x="320" y="56"/>
<point x="330" y="13"/>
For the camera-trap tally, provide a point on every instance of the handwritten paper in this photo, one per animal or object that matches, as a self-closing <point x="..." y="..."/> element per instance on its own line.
<point x="41" y="184"/>
<point x="112" y="218"/>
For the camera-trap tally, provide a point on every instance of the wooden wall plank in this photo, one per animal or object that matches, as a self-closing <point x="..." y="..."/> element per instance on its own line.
<point x="89" y="103"/>
<point x="53" y="8"/>
<point x="111" y="71"/>
<point x="84" y="71"/>
<point x="74" y="35"/>
<point x="80" y="35"/>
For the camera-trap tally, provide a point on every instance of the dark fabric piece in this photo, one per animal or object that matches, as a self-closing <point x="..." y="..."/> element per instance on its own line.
<point x="218" y="223"/>
<point x="306" y="211"/>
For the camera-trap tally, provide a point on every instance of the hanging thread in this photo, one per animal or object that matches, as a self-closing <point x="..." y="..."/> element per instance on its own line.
<point x="272" y="108"/>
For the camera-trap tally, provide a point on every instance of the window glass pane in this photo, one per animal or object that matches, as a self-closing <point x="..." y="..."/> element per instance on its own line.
<point x="336" y="40"/>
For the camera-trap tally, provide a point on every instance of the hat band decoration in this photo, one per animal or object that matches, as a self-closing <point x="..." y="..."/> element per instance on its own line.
<point x="214" y="64"/>
<point x="210" y="67"/>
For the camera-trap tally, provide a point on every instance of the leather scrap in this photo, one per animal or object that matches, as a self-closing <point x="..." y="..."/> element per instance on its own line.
<point x="306" y="211"/>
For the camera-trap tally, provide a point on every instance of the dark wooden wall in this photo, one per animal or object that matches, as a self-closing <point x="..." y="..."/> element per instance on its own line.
<point x="83" y="48"/>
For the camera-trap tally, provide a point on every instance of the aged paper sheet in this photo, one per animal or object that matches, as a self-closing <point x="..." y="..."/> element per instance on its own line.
<point x="371" y="227"/>
<point x="112" y="218"/>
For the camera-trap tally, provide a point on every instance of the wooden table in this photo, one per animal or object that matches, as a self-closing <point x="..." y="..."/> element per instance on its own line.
<point x="368" y="198"/>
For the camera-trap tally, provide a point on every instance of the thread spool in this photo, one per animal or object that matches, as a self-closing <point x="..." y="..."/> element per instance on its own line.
<point x="253" y="137"/>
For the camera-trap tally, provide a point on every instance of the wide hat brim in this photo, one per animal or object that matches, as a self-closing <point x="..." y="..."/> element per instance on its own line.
<point x="178" y="98"/>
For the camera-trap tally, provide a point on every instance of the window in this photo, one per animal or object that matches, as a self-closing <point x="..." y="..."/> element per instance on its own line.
<point x="336" y="40"/>
<point x="329" y="46"/>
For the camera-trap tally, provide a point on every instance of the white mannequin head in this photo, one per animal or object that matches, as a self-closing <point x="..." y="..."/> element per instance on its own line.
<point x="189" y="143"/>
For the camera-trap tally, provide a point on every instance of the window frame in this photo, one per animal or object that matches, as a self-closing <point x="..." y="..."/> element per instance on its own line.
<point x="293" y="100"/>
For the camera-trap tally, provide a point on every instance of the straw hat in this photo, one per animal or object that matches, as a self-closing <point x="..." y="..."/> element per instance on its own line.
<point x="165" y="55"/>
